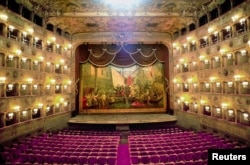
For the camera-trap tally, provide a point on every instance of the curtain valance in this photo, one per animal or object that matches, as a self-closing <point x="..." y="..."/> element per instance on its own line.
<point x="122" y="55"/>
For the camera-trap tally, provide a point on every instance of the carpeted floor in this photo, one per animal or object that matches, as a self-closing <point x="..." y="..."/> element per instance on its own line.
<point x="123" y="157"/>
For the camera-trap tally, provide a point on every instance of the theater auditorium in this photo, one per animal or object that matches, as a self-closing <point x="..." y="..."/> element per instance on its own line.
<point x="113" y="82"/>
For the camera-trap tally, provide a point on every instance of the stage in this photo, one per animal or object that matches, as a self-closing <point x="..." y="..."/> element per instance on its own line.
<point x="122" y="118"/>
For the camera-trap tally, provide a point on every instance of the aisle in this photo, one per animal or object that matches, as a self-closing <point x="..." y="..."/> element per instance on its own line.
<point x="123" y="157"/>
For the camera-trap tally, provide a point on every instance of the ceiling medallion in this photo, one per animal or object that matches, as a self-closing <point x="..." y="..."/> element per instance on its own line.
<point x="121" y="37"/>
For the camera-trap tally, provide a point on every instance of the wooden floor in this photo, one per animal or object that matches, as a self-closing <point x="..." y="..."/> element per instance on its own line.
<point x="121" y="118"/>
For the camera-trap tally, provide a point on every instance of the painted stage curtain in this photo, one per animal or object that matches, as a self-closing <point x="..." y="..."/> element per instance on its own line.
<point x="122" y="55"/>
<point x="128" y="78"/>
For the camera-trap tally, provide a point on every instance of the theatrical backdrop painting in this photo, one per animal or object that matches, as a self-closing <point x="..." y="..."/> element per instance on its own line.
<point x="112" y="87"/>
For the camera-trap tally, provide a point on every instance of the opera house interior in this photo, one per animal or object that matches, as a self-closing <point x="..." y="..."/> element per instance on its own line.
<point x="113" y="82"/>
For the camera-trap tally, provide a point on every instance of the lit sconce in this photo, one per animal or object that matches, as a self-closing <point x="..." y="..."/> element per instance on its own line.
<point x="230" y="112"/>
<point x="11" y="28"/>
<point x="57" y="105"/>
<point x="228" y="28"/>
<point x="24" y="34"/>
<point x="195" y="85"/>
<point x="237" y="77"/>
<point x="217" y="84"/>
<point x="234" y="18"/>
<point x="10" y="115"/>
<point x="216" y="58"/>
<point x="69" y="82"/>
<point x="3" y="17"/>
<point x="24" y="113"/>
<point x="53" y="39"/>
<point x="57" y="87"/>
<point x="207" y="108"/>
<point x="248" y="43"/>
<point x="174" y="80"/>
<point x="36" y="39"/>
<point x="243" y="52"/>
<point x="212" y="79"/>
<point x="177" y="66"/>
<point x="17" y="108"/>
<point x="69" y="46"/>
<point x="35" y="86"/>
<point x="41" y="58"/>
<point x="185" y="65"/>
<point x="205" y="38"/>
<point x="57" y="66"/>
<point x="190" y="80"/>
<point x="178" y="101"/>
<point x="18" y="52"/>
<point x="35" y="62"/>
<point x="10" y="87"/>
<point x="201" y="57"/>
<point x="184" y="45"/>
<point x="48" y="42"/>
<point x="2" y="79"/>
<point x="245" y="116"/>
<point x="229" y="56"/>
<point x="178" y="85"/>
<point x="48" y="63"/>
<point x="65" y="86"/>
<point x="209" y="30"/>
<point x="65" y="104"/>
<point x="230" y="84"/>
<point x="242" y="21"/>
<point x="48" y="86"/>
<point x="206" y="61"/>
<point x="24" y="86"/>
<point x="174" y="45"/>
<point x="65" y="67"/>
<point x="181" y="60"/>
<point x="224" y="106"/>
<point x="215" y="33"/>
<point x="194" y="63"/>
<point x="186" y="86"/>
<point x="195" y="105"/>
<point x="202" y="102"/>
<point x="35" y="110"/>
<point x="10" y="57"/>
<point x="186" y="103"/>
<point x="30" y="30"/>
<point x="193" y="42"/>
<point x="52" y="81"/>
<point x="47" y="108"/>
<point x="182" y="98"/>
<point x="24" y="60"/>
<point x="30" y="80"/>
<point x="245" y="84"/>
<point x="207" y="85"/>
<point x="222" y="51"/>
<point x="61" y="100"/>
<point x="57" y="46"/>
<point x="188" y="38"/>
<point x="40" y="105"/>
<point x="62" y="61"/>
<point x="218" y="110"/>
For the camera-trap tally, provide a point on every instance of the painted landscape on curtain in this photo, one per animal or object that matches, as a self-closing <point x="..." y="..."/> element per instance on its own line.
<point x="122" y="88"/>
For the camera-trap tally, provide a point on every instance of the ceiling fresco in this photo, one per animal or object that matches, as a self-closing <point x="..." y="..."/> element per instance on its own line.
<point x="83" y="16"/>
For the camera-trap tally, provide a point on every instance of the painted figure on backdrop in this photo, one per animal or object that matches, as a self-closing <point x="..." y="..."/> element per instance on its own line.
<point x="134" y="87"/>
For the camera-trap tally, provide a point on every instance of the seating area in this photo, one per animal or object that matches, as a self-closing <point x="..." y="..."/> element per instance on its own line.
<point x="64" y="148"/>
<point x="173" y="145"/>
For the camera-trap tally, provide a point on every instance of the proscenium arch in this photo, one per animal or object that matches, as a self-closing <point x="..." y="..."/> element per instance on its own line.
<point x="84" y="50"/>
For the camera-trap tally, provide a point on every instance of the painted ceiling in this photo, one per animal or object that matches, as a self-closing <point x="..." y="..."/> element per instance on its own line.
<point x="84" y="16"/>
